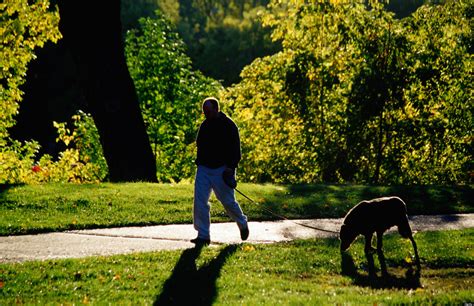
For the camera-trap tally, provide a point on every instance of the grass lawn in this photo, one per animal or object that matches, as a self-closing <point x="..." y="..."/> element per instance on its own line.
<point x="57" y="207"/>
<point x="308" y="272"/>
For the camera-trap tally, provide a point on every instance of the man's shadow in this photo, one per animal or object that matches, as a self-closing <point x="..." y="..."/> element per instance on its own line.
<point x="189" y="285"/>
<point x="348" y="267"/>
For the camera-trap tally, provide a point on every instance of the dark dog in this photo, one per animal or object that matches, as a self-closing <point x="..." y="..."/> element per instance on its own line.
<point x="376" y="216"/>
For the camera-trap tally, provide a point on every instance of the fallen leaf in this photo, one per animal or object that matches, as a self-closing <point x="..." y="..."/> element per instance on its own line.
<point x="101" y="278"/>
<point x="249" y="248"/>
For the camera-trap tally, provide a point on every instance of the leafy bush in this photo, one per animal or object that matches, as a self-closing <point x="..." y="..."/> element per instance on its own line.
<point x="359" y="96"/>
<point x="82" y="160"/>
<point x="25" y="26"/>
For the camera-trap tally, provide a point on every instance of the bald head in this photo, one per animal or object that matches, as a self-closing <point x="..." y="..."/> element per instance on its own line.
<point x="210" y="108"/>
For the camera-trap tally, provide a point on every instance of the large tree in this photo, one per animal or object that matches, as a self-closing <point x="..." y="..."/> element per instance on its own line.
<point x="88" y="69"/>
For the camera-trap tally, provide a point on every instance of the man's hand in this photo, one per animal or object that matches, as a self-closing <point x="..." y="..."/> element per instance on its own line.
<point x="229" y="177"/>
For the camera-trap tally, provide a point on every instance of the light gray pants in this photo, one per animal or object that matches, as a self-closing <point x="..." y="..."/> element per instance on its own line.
<point x="208" y="180"/>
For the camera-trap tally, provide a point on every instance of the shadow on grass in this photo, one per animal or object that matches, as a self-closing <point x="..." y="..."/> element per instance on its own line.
<point x="411" y="280"/>
<point x="189" y="285"/>
<point x="6" y="187"/>
<point x="333" y="201"/>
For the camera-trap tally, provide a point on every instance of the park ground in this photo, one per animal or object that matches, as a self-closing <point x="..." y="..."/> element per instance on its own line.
<point x="302" y="271"/>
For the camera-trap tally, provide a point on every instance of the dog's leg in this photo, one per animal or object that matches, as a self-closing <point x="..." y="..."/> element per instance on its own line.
<point x="368" y="243"/>
<point x="383" y="265"/>
<point x="405" y="231"/>
<point x="417" y="258"/>
<point x="369" y="250"/>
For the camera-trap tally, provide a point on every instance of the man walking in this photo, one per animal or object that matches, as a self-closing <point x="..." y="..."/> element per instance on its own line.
<point x="218" y="153"/>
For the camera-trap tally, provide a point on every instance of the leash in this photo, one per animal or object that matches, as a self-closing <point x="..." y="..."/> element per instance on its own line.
<point x="285" y="218"/>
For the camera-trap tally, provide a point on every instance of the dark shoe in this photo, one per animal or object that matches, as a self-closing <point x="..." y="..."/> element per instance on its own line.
<point x="200" y="241"/>
<point x="244" y="233"/>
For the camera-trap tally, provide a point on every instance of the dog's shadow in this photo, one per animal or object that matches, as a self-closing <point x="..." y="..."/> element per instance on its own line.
<point x="190" y="285"/>
<point x="411" y="280"/>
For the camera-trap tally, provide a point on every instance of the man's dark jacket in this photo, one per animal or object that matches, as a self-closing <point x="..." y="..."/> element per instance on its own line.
<point x="218" y="143"/>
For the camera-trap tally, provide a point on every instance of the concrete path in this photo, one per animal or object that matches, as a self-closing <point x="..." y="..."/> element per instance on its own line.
<point x="103" y="242"/>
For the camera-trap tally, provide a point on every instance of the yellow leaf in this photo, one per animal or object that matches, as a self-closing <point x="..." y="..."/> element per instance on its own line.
<point x="249" y="248"/>
<point x="101" y="278"/>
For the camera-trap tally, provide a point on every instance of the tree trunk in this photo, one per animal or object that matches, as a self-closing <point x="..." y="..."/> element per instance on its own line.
<point x="92" y="32"/>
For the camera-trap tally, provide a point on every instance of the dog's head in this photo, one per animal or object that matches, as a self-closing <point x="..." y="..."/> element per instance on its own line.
<point x="347" y="235"/>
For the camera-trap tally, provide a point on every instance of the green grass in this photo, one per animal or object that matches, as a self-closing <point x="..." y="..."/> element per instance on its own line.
<point x="58" y="207"/>
<point x="305" y="272"/>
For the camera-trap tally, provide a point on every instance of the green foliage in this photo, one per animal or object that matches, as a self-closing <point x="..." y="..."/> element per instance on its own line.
<point x="221" y="36"/>
<point x="132" y="10"/>
<point x="170" y="95"/>
<point x="81" y="161"/>
<point x="357" y="95"/>
<point x="25" y="25"/>
<point x="86" y="141"/>
<point x="224" y="36"/>
<point x="439" y="106"/>
<point x="17" y="162"/>
<point x="290" y="106"/>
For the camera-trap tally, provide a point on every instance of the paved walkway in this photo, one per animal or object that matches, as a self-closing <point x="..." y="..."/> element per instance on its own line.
<point x="83" y="243"/>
